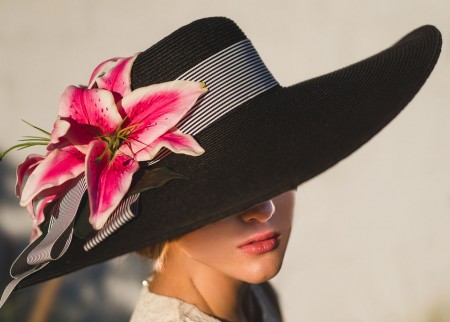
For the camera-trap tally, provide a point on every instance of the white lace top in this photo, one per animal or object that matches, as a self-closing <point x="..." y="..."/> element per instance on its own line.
<point x="153" y="307"/>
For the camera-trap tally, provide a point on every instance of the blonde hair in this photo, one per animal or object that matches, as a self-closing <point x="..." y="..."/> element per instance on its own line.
<point x="156" y="253"/>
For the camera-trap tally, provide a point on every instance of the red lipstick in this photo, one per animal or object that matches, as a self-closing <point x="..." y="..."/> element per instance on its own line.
<point x="262" y="243"/>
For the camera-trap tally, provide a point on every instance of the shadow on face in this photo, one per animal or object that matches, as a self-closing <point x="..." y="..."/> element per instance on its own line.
<point x="248" y="246"/>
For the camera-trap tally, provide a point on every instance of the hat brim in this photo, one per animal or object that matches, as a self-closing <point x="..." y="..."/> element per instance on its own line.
<point x="252" y="156"/>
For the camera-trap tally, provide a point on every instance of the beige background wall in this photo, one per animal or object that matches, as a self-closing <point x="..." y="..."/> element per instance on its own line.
<point x="371" y="239"/>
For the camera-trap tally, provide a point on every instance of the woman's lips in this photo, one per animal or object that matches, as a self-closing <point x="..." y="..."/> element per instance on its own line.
<point x="262" y="243"/>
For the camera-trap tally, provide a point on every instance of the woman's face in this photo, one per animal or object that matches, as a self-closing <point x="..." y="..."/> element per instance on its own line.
<point x="248" y="246"/>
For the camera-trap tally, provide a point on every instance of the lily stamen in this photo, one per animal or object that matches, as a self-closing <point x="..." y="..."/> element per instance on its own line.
<point x="99" y="158"/>
<point x="117" y="139"/>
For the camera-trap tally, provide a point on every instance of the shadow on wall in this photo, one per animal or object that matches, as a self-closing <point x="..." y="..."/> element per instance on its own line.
<point x="83" y="296"/>
<point x="9" y="246"/>
<point x="7" y="183"/>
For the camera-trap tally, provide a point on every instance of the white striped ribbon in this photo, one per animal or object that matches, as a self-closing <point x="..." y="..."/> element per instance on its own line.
<point x="233" y="76"/>
<point x="126" y="211"/>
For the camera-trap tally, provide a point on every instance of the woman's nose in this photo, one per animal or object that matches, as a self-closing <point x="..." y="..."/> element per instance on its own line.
<point x="259" y="213"/>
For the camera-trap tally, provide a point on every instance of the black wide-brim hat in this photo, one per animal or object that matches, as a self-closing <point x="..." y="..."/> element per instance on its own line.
<point x="260" y="139"/>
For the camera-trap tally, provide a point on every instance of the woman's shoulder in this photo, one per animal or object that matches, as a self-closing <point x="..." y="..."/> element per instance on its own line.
<point x="158" y="308"/>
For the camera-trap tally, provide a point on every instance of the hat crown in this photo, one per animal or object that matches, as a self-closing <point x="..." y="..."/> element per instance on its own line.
<point x="183" y="49"/>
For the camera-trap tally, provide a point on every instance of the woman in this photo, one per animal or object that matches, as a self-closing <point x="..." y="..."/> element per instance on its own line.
<point x="212" y="267"/>
<point x="186" y="146"/>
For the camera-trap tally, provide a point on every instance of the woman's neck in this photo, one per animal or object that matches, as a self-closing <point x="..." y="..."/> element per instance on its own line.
<point x="210" y="291"/>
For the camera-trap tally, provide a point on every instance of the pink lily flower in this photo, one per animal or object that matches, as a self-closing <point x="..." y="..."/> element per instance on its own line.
<point x="106" y="131"/>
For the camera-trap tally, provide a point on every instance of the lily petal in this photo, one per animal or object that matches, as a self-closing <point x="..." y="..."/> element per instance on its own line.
<point x="45" y="197"/>
<point x="35" y="231"/>
<point x="59" y="166"/>
<point x="101" y="69"/>
<point x="25" y="169"/>
<point x="174" y="140"/>
<point x="95" y="107"/>
<point x="155" y="109"/>
<point x="38" y="206"/>
<point x="60" y="128"/>
<point x="108" y="181"/>
<point x="58" y="137"/>
<point x="115" y="76"/>
<point x="78" y="135"/>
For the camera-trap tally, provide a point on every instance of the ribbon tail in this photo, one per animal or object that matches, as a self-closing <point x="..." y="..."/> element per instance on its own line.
<point x="21" y="269"/>
<point x="50" y="246"/>
<point x="59" y="235"/>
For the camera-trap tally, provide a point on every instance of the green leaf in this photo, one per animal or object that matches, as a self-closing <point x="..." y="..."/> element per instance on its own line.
<point x="30" y="144"/>
<point x="37" y="128"/>
<point x="146" y="179"/>
<point x="29" y="141"/>
<point x="34" y="138"/>
<point x="21" y="146"/>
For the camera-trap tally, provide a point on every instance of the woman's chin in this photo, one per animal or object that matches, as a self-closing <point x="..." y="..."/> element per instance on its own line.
<point x="261" y="271"/>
